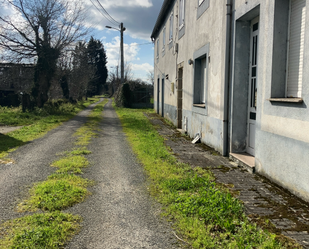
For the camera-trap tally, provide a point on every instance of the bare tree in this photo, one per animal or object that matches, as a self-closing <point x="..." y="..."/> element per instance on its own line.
<point x="44" y="29"/>
<point x="150" y="76"/>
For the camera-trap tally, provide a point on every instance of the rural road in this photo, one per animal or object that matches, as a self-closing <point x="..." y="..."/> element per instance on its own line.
<point x="119" y="213"/>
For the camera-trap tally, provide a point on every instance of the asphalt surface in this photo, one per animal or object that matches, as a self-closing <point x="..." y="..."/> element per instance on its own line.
<point x="119" y="213"/>
<point x="32" y="164"/>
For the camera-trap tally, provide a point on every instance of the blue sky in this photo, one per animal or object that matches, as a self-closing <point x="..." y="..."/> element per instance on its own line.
<point x="139" y="17"/>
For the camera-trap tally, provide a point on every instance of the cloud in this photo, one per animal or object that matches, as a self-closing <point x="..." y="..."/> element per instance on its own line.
<point x="113" y="52"/>
<point x="138" y="16"/>
<point x="142" y="67"/>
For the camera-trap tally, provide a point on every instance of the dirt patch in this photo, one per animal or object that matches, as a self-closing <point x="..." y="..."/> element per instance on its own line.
<point x="6" y="129"/>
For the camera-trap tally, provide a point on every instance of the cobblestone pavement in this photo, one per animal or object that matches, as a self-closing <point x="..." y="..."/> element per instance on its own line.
<point x="262" y="198"/>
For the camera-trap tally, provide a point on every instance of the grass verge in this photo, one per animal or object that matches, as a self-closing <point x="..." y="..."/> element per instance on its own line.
<point x="37" y="123"/>
<point x="48" y="230"/>
<point x="204" y="213"/>
<point x="57" y="193"/>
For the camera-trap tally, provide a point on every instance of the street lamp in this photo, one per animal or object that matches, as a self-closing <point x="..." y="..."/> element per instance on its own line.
<point x="122" y="29"/>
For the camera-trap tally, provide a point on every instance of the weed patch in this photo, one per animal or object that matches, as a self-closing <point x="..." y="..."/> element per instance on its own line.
<point x="72" y="164"/>
<point x="58" y="192"/>
<point x="204" y="213"/>
<point x="48" y="230"/>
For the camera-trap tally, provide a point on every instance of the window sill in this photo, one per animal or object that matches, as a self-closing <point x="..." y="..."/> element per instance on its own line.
<point x="199" y="105"/>
<point x="287" y="100"/>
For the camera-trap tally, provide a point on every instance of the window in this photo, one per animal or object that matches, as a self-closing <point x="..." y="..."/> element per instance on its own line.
<point x="200" y="78"/>
<point x="288" y="51"/>
<point x="295" y="57"/>
<point x="170" y="36"/>
<point x="181" y="13"/>
<point x="163" y="39"/>
<point x="158" y="49"/>
<point x="202" y="6"/>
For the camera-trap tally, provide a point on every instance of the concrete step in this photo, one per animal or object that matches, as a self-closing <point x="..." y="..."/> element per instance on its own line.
<point x="244" y="160"/>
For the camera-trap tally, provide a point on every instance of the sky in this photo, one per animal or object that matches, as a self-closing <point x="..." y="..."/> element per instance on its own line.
<point x="138" y="17"/>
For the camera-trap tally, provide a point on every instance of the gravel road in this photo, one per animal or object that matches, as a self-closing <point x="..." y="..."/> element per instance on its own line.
<point x="33" y="164"/>
<point x="120" y="213"/>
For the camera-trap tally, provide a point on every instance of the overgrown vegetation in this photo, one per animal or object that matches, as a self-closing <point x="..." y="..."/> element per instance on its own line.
<point x="47" y="230"/>
<point x="57" y="193"/>
<point x="204" y="213"/>
<point x="36" y="123"/>
<point x="60" y="191"/>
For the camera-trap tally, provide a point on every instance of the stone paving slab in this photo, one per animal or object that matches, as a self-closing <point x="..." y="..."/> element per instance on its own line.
<point x="262" y="198"/>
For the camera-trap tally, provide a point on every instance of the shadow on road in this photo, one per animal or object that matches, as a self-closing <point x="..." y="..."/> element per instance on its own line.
<point x="7" y="142"/>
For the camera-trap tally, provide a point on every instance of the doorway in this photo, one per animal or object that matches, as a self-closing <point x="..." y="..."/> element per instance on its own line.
<point x="179" y="98"/>
<point x="252" y="98"/>
<point x="162" y="97"/>
<point x="158" y="95"/>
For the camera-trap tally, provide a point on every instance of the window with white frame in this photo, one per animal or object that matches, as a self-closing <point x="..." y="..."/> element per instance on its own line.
<point x="181" y="13"/>
<point x="295" y="58"/>
<point x="163" y="39"/>
<point x="158" y="42"/>
<point x="200" y="77"/>
<point x="170" y="36"/>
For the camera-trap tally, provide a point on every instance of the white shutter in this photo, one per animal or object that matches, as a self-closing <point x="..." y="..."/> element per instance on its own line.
<point x="296" y="48"/>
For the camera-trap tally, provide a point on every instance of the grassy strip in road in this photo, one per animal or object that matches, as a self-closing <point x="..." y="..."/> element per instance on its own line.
<point x="38" y="123"/>
<point x="204" y="213"/>
<point x="71" y="164"/>
<point x="47" y="230"/>
<point x="61" y="190"/>
<point x="58" y="192"/>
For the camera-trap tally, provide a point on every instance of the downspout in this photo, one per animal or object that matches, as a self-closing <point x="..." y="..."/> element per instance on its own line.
<point x="228" y="73"/>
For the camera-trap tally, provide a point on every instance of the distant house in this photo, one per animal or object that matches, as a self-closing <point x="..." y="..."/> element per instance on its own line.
<point x="236" y="73"/>
<point x="15" y="79"/>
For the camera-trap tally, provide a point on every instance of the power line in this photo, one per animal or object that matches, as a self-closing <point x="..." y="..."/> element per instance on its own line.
<point x="107" y="12"/>
<point x="106" y="16"/>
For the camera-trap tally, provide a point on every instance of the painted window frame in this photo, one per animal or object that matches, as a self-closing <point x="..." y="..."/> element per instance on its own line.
<point x="163" y="40"/>
<point x="198" y="56"/>
<point x="278" y="91"/>
<point x="171" y="27"/>
<point x="181" y="18"/>
<point x="202" y="7"/>
<point x="158" y="48"/>
<point x="301" y="66"/>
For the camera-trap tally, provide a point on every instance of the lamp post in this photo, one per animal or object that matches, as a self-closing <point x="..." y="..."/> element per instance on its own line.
<point x="122" y="29"/>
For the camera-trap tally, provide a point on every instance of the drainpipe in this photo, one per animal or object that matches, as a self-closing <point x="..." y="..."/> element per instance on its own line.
<point x="228" y="73"/>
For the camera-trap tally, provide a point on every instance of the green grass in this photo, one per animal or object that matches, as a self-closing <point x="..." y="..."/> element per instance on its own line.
<point x="37" y="123"/>
<point x="71" y="164"/>
<point x="47" y="230"/>
<point x="80" y="151"/>
<point x="57" y="193"/>
<point x="204" y="213"/>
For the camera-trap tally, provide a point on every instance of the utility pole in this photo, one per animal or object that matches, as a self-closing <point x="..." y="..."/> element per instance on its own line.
<point x="122" y="29"/>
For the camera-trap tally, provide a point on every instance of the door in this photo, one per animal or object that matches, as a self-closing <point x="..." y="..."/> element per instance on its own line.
<point x="252" y="86"/>
<point x="179" y="98"/>
<point x="158" y="96"/>
<point x="162" y="98"/>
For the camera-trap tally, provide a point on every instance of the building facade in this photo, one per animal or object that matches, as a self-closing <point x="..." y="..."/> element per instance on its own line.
<point x="235" y="72"/>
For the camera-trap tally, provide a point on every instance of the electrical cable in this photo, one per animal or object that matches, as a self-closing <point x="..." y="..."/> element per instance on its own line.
<point x="107" y="17"/>
<point x="107" y="13"/>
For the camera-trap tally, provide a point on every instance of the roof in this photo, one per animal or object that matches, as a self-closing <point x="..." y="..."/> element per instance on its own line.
<point x="162" y="16"/>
